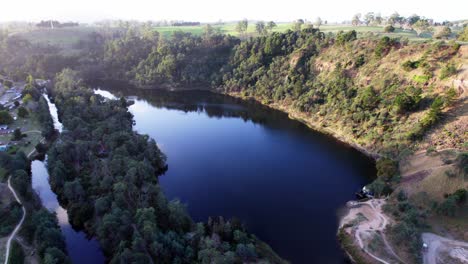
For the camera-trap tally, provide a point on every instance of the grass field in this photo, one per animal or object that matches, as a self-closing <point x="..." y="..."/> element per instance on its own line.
<point x="29" y="126"/>
<point x="68" y="38"/>
<point x="65" y="38"/>
<point x="282" y="27"/>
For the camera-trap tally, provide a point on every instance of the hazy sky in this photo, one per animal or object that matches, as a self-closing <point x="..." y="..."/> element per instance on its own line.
<point x="226" y="10"/>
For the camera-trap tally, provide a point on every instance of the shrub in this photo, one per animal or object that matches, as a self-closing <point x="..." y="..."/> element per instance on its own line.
<point x="389" y="29"/>
<point x="342" y="37"/>
<point x="27" y="98"/>
<point x="5" y="117"/>
<point x="17" y="135"/>
<point x="367" y="98"/>
<point x="384" y="46"/>
<point x="386" y="168"/>
<point x="360" y="61"/>
<point x="449" y="206"/>
<point x="408" y="100"/>
<point x="22" y="112"/>
<point x="450" y="96"/>
<point x="422" y="79"/>
<point x="410" y="65"/>
<point x="430" y="150"/>
<point x="448" y="70"/>
<point x="464" y="34"/>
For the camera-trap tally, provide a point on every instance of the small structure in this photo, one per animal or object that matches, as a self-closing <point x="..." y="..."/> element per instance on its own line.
<point x="365" y="193"/>
<point x="3" y="127"/>
<point x="3" y="148"/>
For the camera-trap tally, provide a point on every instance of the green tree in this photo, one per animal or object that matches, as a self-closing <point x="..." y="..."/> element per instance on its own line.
<point x="242" y="26"/>
<point x="260" y="28"/>
<point x="448" y="70"/>
<point x="22" y="182"/>
<point x="443" y="33"/>
<point x="422" y="26"/>
<point x="369" y="18"/>
<point x="297" y="25"/>
<point x="356" y="20"/>
<point x="22" y="112"/>
<point x="270" y="25"/>
<point x="395" y="18"/>
<point x="389" y="29"/>
<point x="413" y="19"/>
<point x="464" y="34"/>
<point x="208" y="31"/>
<point x="5" y="117"/>
<point x="17" y="135"/>
<point x="386" y="168"/>
<point x="27" y="98"/>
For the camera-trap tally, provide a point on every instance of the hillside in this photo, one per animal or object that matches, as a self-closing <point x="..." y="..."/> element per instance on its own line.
<point x="389" y="98"/>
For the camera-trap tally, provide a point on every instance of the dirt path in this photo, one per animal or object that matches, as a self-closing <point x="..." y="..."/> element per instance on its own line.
<point x="17" y="228"/>
<point x="369" y="219"/>
<point x="441" y="248"/>
<point x="34" y="149"/>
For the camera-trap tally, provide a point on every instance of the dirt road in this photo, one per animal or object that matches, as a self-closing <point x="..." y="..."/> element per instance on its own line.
<point x="368" y="220"/>
<point x="17" y="228"/>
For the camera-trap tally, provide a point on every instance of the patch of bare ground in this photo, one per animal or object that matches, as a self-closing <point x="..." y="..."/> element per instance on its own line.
<point x="433" y="173"/>
<point x="366" y="223"/>
<point x="442" y="250"/>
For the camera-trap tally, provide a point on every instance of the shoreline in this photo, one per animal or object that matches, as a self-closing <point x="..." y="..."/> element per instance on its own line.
<point x="299" y="116"/>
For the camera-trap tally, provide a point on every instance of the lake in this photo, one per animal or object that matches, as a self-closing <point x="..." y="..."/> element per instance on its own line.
<point x="233" y="158"/>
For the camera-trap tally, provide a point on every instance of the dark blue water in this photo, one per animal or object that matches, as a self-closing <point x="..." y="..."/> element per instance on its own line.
<point x="79" y="247"/>
<point x="232" y="158"/>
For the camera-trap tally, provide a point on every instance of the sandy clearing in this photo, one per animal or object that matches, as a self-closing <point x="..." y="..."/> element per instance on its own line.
<point x="457" y="250"/>
<point x="366" y="219"/>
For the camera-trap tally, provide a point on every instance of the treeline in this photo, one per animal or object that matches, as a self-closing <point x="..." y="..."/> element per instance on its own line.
<point x="106" y="175"/>
<point x="184" y="23"/>
<point x="56" y="24"/>
<point x="183" y="60"/>
<point x="19" y="57"/>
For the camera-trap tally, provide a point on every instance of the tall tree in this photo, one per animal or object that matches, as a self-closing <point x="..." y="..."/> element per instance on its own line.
<point x="422" y="26"/>
<point x="242" y="26"/>
<point x="298" y="24"/>
<point x="270" y="25"/>
<point x="443" y="32"/>
<point x="260" y="28"/>
<point x="356" y="20"/>
<point x="369" y="18"/>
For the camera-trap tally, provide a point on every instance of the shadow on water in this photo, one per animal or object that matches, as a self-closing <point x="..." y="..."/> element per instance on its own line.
<point x="241" y="159"/>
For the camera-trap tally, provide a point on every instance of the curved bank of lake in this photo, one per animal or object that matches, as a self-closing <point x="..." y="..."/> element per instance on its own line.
<point x="240" y="159"/>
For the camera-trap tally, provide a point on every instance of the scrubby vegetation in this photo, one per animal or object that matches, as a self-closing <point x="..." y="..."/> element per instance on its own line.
<point x="411" y="222"/>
